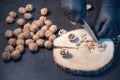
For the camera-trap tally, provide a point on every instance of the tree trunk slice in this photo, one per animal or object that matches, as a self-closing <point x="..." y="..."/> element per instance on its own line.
<point x="81" y="61"/>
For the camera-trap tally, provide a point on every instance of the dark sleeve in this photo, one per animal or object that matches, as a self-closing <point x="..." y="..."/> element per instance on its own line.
<point x="111" y="2"/>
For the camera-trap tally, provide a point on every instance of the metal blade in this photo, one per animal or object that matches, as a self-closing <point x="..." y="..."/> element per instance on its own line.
<point x="89" y="30"/>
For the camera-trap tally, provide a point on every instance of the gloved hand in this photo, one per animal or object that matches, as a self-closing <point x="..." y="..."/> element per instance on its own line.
<point x="108" y="22"/>
<point x="75" y="10"/>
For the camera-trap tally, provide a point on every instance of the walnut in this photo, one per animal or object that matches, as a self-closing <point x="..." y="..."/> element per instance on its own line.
<point x="28" y="41"/>
<point x="29" y="7"/>
<point x="44" y="11"/>
<point x="40" y="33"/>
<point x="40" y="42"/>
<point x="34" y="28"/>
<point x="48" y="44"/>
<point x="71" y="37"/>
<point x="21" y="36"/>
<point x="26" y="29"/>
<point x="12" y="14"/>
<point x="52" y="37"/>
<point x="27" y="16"/>
<point x="89" y="7"/>
<point x="45" y="28"/>
<point x="17" y="31"/>
<point x="42" y="18"/>
<point x="27" y="34"/>
<point x="64" y="52"/>
<point x="6" y="56"/>
<point x="20" y="22"/>
<point x="15" y="55"/>
<point x="32" y="34"/>
<point x="33" y="47"/>
<point x="12" y="41"/>
<point x="20" y="48"/>
<point x="27" y="26"/>
<point x="53" y="28"/>
<point x="48" y="33"/>
<point x="9" y="34"/>
<point x="21" y="10"/>
<point x="48" y="22"/>
<point x="20" y="42"/>
<point x="9" y="19"/>
<point x="35" y="37"/>
<point x="61" y="32"/>
<point x="9" y="48"/>
<point x="38" y="23"/>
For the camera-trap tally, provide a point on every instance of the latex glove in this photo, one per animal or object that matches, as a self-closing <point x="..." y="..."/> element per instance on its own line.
<point x="108" y="22"/>
<point x="75" y="10"/>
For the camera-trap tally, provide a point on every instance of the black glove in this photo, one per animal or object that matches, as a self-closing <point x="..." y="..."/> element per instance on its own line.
<point x="75" y="10"/>
<point x="108" y="22"/>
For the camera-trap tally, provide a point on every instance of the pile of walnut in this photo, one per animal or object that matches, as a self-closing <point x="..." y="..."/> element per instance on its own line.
<point x="39" y="33"/>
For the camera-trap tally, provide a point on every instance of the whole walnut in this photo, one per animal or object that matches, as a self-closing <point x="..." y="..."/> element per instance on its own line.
<point x="27" y="34"/>
<point x="9" y="48"/>
<point x="28" y="41"/>
<point x="38" y="23"/>
<point x="21" y="36"/>
<point x="6" y="56"/>
<point x="34" y="28"/>
<point x="40" y="33"/>
<point x="12" y="14"/>
<point x="52" y="37"/>
<point x="27" y="16"/>
<point x="48" y="22"/>
<point x="35" y="37"/>
<point x="17" y="31"/>
<point x="32" y="34"/>
<point x="40" y="42"/>
<point x="20" y="22"/>
<point x="48" y="44"/>
<point x="19" y="42"/>
<point x="48" y="33"/>
<point x="12" y="41"/>
<point x="44" y="11"/>
<point x="42" y="19"/>
<point x="33" y="47"/>
<point x="9" y="34"/>
<point x="20" y="48"/>
<point x="27" y="25"/>
<point x="22" y="10"/>
<point x="53" y="28"/>
<point x="29" y="7"/>
<point x="15" y="55"/>
<point x="45" y="28"/>
<point x="10" y="19"/>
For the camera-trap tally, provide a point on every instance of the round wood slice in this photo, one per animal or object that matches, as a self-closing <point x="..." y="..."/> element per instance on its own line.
<point x="80" y="59"/>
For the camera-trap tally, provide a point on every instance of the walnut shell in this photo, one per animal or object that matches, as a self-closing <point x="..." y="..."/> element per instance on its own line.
<point x="9" y="19"/>
<point x="28" y="41"/>
<point x="44" y="11"/>
<point x="12" y="41"/>
<point x="17" y="31"/>
<point x="27" y="16"/>
<point x="71" y="37"/>
<point x="33" y="47"/>
<point x="12" y="14"/>
<point x="35" y="37"/>
<point x="40" y="42"/>
<point x="20" y="22"/>
<point x="48" y="44"/>
<point x="34" y="28"/>
<point x="29" y="7"/>
<point x="20" y="42"/>
<point x="9" y="48"/>
<point x="52" y="37"/>
<point x="48" y="22"/>
<point x="6" y="56"/>
<point x="21" y="10"/>
<point x="15" y="55"/>
<point x="53" y="28"/>
<point x="64" y="52"/>
<point x="20" y="48"/>
<point x="48" y="33"/>
<point x="45" y="28"/>
<point x="9" y="34"/>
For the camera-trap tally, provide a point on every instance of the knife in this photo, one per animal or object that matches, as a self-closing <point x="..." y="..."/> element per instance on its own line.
<point x="89" y="30"/>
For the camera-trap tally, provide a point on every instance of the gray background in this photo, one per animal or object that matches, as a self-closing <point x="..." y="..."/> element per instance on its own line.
<point x="40" y="66"/>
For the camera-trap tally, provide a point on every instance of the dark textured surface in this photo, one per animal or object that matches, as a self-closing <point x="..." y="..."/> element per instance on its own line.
<point x="40" y="66"/>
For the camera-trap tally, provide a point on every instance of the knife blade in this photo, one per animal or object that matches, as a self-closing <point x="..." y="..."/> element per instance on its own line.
<point x="89" y="30"/>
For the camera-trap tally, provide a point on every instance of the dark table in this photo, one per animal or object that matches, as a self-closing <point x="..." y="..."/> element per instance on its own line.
<point x="40" y="66"/>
